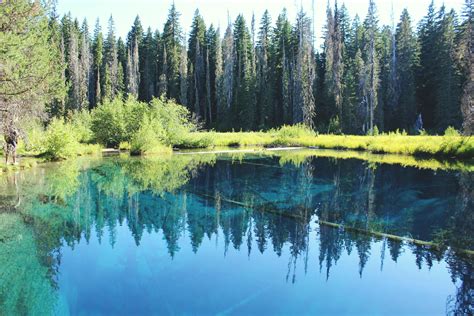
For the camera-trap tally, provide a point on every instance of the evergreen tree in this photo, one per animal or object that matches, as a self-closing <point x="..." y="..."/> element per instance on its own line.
<point x="448" y="84"/>
<point x="197" y="70"/>
<point x="56" y="107"/>
<point x="172" y="39"/>
<point x="407" y="61"/>
<point x="265" y="111"/>
<point x="110" y="82"/>
<point x="466" y="57"/>
<point x="427" y="75"/>
<point x="243" y="103"/>
<point x="74" y="98"/>
<point x="371" y="78"/>
<point x="281" y="53"/>
<point x="133" y="73"/>
<point x="304" y="73"/>
<point x="30" y="66"/>
<point x="86" y="66"/>
<point x="97" y="48"/>
<point x="148" y="68"/>
<point x="226" y="83"/>
<point x="334" y="63"/>
<point x="213" y="70"/>
<point x="183" y="75"/>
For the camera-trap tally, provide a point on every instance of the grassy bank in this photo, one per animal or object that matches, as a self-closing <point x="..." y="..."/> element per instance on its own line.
<point x="451" y="145"/>
<point x="159" y="126"/>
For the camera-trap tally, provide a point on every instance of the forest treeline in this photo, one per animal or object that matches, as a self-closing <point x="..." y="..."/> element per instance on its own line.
<point x="258" y="75"/>
<point x="365" y="79"/>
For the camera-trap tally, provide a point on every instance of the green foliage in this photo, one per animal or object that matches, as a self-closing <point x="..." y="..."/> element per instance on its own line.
<point x="175" y="120"/>
<point x="393" y="143"/>
<point x="334" y="126"/>
<point x="198" y="140"/>
<point x="143" y="126"/>
<point x="81" y="122"/>
<point x="451" y="131"/>
<point x="30" y="61"/>
<point x="108" y="123"/>
<point x="60" y="141"/>
<point x="295" y="131"/>
<point x="148" y="138"/>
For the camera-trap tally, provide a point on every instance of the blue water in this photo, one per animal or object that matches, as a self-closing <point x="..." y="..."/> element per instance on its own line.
<point x="235" y="235"/>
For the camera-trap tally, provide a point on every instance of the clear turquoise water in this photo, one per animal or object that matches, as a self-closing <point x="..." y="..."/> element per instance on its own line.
<point x="246" y="235"/>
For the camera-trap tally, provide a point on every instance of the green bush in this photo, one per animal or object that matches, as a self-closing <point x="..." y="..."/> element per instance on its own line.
<point x="81" y="121"/>
<point x="116" y="122"/>
<point x="108" y="123"/>
<point x="134" y="113"/>
<point x="175" y="119"/>
<point x="334" y="126"/>
<point x="60" y="141"/>
<point x="148" y="139"/>
<point x="451" y="131"/>
<point x="35" y="139"/>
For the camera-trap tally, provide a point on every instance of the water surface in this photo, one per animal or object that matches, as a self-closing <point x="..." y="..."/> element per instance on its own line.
<point x="249" y="234"/>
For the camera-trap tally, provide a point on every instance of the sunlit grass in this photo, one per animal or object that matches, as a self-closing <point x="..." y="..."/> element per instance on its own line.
<point x="448" y="146"/>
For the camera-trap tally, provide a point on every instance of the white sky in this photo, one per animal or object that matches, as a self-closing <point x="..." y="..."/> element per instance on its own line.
<point x="153" y="13"/>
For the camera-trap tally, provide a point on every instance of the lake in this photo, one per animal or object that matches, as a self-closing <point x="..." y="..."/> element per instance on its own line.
<point x="290" y="233"/>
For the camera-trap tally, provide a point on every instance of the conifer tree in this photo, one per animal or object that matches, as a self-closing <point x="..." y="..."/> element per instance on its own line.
<point x="85" y="67"/>
<point x="304" y="73"/>
<point x="197" y="74"/>
<point x="407" y="61"/>
<point x="427" y="75"/>
<point x="97" y="48"/>
<point x="281" y="55"/>
<point x="73" y="101"/>
<point x="265" y="113"/>
<point x="214" y="61"/>
<point x="371" y="80"/>
<point x="172" y="39"/>
<point x="30" y="66"/>
<point x="110" y="84"/>
<point x="243" y="103"/>
<point x="226" y="92"/>
<point x="447" y="110"/>
<point x="466" y="58"/>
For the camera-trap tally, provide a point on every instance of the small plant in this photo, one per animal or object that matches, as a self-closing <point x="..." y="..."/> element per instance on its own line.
<point x="451" y="131"/>
<point x="334" y="126"/>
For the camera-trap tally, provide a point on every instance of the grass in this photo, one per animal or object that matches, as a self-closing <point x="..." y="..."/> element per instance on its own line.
<point x="448" y="146"/>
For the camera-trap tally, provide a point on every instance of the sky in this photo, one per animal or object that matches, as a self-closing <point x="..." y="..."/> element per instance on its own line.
<point x="153" y="13"/>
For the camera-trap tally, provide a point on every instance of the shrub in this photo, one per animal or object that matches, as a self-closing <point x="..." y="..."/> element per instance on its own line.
<point x="60" y="141"/>
<point x="334" y="126"/>
<point x="116" y="121"/>
<point x="35" y="139"/>
<point x="133" y="112"/>
<point x="81" y="121"/>
<point x="451" y="131"/>
<point x="108" y="123"/>
<point x="175" y="120"/>
<point x="148" y="138"/>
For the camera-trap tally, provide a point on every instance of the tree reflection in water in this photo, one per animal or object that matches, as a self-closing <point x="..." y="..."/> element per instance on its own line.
<point x="269" y="201"/>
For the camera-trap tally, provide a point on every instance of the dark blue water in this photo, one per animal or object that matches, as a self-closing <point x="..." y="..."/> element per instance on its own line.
<point x="246" y="235"/>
